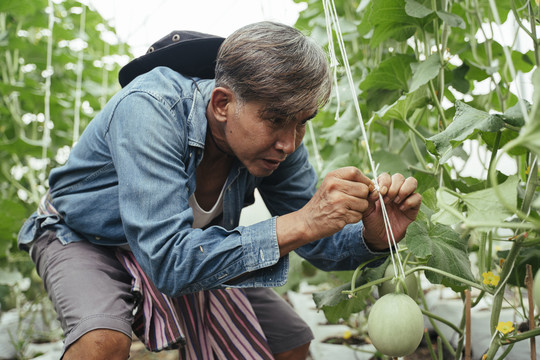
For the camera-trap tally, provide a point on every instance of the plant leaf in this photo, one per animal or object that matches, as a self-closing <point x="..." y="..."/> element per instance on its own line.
<point x="425" y="71"/>
<point x="528" y="255"/>
<point x="530" y="133"/>
<point x="417" y="10"/>
<point x="444" y="216"/>
<point x="484" y="205"/>
<point x="444" y="249"/>
<point x="337" y="305"/>
<point x="404" y="106"/>
<point x="452" y="20"/>
<point x="390" y="20"/>
<point x="391" y="74"/>
<point x="467" y="122"/>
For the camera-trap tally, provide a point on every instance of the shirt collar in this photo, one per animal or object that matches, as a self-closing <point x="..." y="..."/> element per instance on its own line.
<point x="197" y="122"/>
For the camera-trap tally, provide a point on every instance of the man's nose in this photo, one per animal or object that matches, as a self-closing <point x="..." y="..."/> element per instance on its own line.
<point x="286" y="141"/>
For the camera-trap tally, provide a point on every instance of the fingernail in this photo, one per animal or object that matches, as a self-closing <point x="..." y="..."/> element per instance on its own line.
<point x="397" y="200"/>
<point x="384" y="190"/>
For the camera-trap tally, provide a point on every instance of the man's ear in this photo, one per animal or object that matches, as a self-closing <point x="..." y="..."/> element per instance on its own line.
<point x="221" y="103"/>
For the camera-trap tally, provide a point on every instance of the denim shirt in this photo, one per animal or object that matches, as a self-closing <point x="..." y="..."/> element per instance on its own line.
<point x="129" y="178"/>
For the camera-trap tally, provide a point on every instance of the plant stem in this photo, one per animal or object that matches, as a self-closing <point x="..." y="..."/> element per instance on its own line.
<point x="467" y="324"/>
<point x="429" y="345"/>
<point x="436" y="328"/>
<point x="494" y="151"/>
<point x="529" y="280"/>
<point x="443" y="320"/>
<point x="506" y="351"/>
<point x="508" y="265"/>
<point x="415" y="131"/>
<point x="357" y="272"/>
<point x="437" y="105"/>
<point x="418" y="268"/>
<point x="534" y="37"/>
<point x="493" y="348"/>
<point x="524" y="335"/>
<point x="532" y="183"/>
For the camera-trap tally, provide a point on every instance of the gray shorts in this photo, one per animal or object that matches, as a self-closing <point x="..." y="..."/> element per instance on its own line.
<point x="90" y="289"/>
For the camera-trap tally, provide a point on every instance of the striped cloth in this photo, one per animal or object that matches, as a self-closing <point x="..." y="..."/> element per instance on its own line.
<point x="208" y="325"/>
<point x="211" y="324"/>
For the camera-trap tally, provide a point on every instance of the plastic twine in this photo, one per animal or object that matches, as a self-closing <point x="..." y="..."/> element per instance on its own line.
<point x="332" y="21"/>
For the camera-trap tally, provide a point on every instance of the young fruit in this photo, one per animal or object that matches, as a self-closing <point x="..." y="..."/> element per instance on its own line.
<point x="389" y="286"/>
<point x="395" y="325"/>
<point x="536" y="289"/>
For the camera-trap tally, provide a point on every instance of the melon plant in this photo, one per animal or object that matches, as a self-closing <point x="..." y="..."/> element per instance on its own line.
<point x="411" y="283"/>
<point x="395" y="325"/>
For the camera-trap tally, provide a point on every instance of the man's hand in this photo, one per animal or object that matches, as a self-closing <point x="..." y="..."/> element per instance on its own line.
<point x="347" y="196"/>
<point x="341" y="199"/>
<point x="402" y="205"/>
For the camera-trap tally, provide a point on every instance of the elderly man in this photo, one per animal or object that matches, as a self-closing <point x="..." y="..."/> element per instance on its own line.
<point x="140" y="228"/>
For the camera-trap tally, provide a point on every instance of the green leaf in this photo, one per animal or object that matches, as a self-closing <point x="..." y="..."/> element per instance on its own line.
<point x="346" y="127"/>
<point x="459" y="80"/>
<point x="390" y="162"/>
<point x="467" y="122"/>
<point x="18" y="7"/>
<point x="452" y="20"/>
<point x="528" y="255"/>
<point x="523" y="62"/>
<point x="390" y="20"/>
<point x="425" y="71"/>
<point x="444" y="249"/>
<point x="443" y="216"/>
<point x="337" y="306"/>
<point x="428" y="206"/>
<point x="530" y="133"/>
<point x="514" y="116"/>
<point x="405" y="105"/>
<point x="417" y="10"/>
<point x="13" y="214"/>
<point x="391" y="74"/>
<point x="484" y="205"/>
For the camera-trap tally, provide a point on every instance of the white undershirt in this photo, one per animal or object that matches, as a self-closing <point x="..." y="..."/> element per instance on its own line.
<point x="201" y="217"/>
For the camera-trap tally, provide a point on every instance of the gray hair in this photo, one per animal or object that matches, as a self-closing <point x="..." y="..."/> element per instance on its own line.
<point x="277" y="65"/>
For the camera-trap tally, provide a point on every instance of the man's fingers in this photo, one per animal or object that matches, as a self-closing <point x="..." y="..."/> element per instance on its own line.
<point x="384" y="180"/>
<point x="395" y="186"/>
<point x="352" y="173"/>
<point x="412" y="202"/>
<point x="407" y="188"/>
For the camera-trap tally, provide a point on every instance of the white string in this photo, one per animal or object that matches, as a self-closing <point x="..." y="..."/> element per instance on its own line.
<point x="332" y="18"/>
<point x="333" y="60"/>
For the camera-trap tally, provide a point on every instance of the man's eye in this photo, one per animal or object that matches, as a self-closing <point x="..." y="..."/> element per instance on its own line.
<point x="276" y="121"/>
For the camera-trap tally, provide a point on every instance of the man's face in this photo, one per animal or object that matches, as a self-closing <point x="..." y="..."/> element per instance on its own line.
<point x="262" y="140"/>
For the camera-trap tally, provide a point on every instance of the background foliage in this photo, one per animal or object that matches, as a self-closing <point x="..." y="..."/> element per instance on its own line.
<point x="58" y="65"/>
<point x="443" y="86"/>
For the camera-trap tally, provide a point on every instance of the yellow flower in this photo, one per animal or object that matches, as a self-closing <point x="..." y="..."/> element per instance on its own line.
<point x="491" y="279"/>
<point x="505" y="327"/>
<point x="347" y="335"/>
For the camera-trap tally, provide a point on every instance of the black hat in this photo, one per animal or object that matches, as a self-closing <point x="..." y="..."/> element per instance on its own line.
<point x="190" y="53"/>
